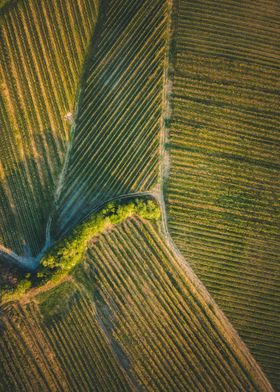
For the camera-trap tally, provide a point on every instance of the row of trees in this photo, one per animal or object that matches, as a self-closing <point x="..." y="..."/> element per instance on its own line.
<point x="66" y="253"/>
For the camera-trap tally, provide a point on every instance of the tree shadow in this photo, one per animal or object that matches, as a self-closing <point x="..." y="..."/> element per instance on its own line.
<point x="115" y="147"/>
<point x="27" y="195"/>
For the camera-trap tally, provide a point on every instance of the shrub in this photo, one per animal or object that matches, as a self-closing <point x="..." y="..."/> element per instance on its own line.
<point x="17" y="292"/>
<point x="66" y="253"/>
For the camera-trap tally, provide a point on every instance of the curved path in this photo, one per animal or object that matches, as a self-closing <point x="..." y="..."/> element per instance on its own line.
<point x="31" y="263"/>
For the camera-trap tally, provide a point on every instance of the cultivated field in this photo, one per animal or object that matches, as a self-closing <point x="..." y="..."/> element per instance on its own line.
<point x="3" y="3"/>
<point x="71" y="353"/>
<point x="115" y="149"/>
<point x="41" y="58"/>
<point x="223" y="186"/>
<point x="76" y="133"/>
<point x="132" y="319"/>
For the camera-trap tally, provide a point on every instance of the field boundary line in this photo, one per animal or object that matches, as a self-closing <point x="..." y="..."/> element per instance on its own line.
<point x="240" y="348"/>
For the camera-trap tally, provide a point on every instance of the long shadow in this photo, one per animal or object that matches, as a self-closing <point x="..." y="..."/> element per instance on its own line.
<point x="26" y="198"/>
<point x="113" y="123"/>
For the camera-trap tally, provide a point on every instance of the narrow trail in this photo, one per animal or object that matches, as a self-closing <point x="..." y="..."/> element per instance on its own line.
<point x="21" y="261"/>
<point x="240" y="349"/>
<point x="28" y="262"/>
<point x="60" y="184"/>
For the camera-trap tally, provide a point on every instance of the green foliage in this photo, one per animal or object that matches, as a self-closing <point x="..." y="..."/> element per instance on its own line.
<point x="65" y="254"/>
<point x="68" y="252"/>
<point x="147" y="210"/>
<point x="15" y="293"/>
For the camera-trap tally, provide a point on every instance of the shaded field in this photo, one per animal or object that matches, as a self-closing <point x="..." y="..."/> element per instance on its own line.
<point x="223" y="187"/>
<point x="4" y="3"/>
<point x="41" y="58"/>
<point x="115" y="147"/>
<point x="9" y="275"/>
<point x="132" y="319"/>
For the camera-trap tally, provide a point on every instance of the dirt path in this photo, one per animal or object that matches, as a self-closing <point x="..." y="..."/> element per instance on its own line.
<point x="29" y="263"/>
<point x="241" y="350"/>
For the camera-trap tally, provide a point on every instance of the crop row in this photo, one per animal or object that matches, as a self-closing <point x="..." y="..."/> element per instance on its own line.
<point x="42" y="53"/>
<point x="240" y="34"/>
<point x="84" y="351"/>
<point x="66" y="353"/>
<point x="223" y="207"/>
<point x="161" y="321"/>
<point x="27" y="362"/>
<point x="116" y="143"/>
<point x="137" y="320"/>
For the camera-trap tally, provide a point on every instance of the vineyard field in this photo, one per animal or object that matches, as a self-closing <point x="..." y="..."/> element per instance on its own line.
<point x="130" y="318"/>
<point x="68" y="354"/>
<point x="223" y="188"/>
<point x="139" y="195"/>
<point x="41" y="59"/>
<point x="115" y="148"/>
<point x="4" y="3"/>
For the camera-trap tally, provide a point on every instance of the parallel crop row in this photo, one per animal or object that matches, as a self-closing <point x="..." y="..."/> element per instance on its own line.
<point x="115" y="149"/>
<point x="172" y="336"/>
<point x="27" y="361"/>
<point x="70" y="353"/>
<point x="138" y="321"/>
<point x="41" y="57"/>
<point x="223" y="188"/>
<point x="84" y="351"/>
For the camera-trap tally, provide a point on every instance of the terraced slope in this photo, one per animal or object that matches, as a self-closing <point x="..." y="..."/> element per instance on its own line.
<point x="223" y="187"/>
<point x="138" y="321"/>
<point x="115" y="149"/>
<point x="41" y="58"/>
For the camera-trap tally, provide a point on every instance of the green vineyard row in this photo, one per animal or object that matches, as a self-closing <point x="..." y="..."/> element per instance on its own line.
<point x="41" y="58"/>
<point x="223" y="187"/>
<point x="132" y="318"/>
<point x="115" y="149"/>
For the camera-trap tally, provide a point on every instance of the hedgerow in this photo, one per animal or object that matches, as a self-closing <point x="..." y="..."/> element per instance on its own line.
<point x="66" y="253"/>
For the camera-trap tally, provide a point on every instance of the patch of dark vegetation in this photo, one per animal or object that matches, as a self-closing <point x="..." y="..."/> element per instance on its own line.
<point x="68" y="252"/>
<point x="5" y="5"/>
<point x="55" y="303"/>
<point x="10" y="276"/>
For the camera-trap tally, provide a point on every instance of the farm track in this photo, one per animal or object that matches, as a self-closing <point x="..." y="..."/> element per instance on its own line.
<point x="135" y="320"/>
<point x="118" y="124"/>
<point x="222" y="194"/>
<point x="37" y="91"/>
<point x="252" y="376"/>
